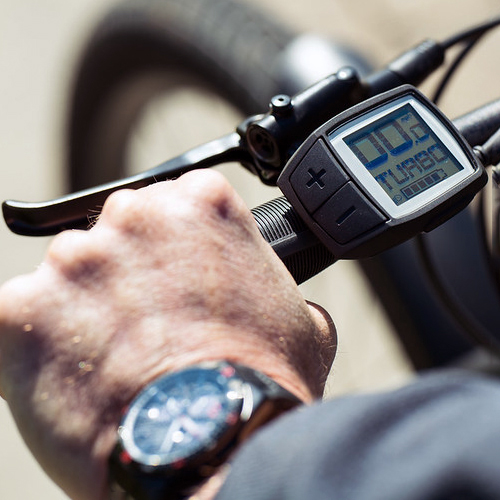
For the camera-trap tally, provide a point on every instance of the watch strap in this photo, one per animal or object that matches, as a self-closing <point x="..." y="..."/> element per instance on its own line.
<point x="268" y="389"/>
<point x="118" y="493"/>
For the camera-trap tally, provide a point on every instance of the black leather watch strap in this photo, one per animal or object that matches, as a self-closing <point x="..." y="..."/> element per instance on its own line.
<point x="117" y="493"/>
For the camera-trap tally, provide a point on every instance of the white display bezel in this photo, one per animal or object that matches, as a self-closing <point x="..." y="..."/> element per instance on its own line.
<point x="371" y="186"/>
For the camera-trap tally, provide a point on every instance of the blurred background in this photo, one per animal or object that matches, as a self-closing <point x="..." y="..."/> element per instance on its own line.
<point x="40" y="42"/>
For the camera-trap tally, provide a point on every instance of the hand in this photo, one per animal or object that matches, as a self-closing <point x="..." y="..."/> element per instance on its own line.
<point x="170" y="275"/>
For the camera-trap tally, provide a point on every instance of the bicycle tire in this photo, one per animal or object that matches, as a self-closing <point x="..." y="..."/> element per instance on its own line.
<point x="229" y="46"/>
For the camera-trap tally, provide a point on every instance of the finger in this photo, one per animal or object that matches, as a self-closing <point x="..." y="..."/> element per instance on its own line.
<point x="323" y="321"/>
<point x="326" y="331"/>
<point x="2" y="394"/>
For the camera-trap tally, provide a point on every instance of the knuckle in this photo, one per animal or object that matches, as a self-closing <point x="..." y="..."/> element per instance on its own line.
<point x="77" y="255"/>
<point x="63" y="246"/>
<point x="120" y="206"/>
<point x="13" y="294"/>
<point x="213" y="193"/>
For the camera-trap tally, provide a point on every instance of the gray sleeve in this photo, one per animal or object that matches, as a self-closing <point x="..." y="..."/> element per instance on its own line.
<point x="438" y="438"/>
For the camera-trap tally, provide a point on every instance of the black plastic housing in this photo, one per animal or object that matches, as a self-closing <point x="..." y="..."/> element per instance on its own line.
<point x="382" y="231"/>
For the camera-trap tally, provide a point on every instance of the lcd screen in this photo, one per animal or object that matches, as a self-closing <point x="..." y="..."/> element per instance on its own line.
<point x="403" y="154"/>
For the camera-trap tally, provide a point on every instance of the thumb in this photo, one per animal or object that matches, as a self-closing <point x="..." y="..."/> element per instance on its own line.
<point x="326" y="337"/>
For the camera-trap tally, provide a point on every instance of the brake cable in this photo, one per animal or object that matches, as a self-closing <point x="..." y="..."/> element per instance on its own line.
<point x="470" y="37"/>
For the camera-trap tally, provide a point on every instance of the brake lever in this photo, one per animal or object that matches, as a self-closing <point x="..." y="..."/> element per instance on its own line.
<point x="75" y="211"/>
<point x="262" y="144"/>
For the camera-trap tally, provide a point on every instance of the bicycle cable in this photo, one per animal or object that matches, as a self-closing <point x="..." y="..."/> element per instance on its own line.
<point x="489" y="154"/>
<point x="470" y="37"/>
<point x="453" y="67"/>
<point x="455" y="309"/>
<point x="471" y="33"/>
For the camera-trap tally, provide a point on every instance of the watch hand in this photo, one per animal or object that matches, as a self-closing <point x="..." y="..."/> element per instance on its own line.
<point x="206" y="406"/>
<point x="191" y="426"/>
<point x="168" y="442"/>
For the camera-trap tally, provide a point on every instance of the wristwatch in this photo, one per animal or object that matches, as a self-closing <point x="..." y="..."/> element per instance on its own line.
<point x="184" y="425"/>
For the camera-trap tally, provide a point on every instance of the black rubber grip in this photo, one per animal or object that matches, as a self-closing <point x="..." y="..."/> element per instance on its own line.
<point x="478" y="125"/>
<point x="294" y="243"/>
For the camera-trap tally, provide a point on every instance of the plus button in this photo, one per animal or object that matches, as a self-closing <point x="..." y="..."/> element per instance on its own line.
<point x="316" y="178"/>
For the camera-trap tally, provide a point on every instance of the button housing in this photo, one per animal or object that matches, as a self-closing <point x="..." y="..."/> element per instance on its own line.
<point x="348" y="214"/>
<point x="314" y="180"/>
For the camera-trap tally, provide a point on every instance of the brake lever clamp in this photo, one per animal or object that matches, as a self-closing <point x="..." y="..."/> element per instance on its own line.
<point x="273" y="137"/>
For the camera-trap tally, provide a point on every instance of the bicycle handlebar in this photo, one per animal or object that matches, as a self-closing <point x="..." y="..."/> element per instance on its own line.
<point x="284" y="127"/>
<point x="300" y="250"/>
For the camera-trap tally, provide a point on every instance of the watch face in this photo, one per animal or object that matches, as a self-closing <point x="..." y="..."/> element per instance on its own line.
<point x="181" y="414"/>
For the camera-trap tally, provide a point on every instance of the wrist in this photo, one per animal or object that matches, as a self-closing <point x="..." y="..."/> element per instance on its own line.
<point x="227" y="345"/>
<point x="246" y="346"/>
<point x="209" y="489"/>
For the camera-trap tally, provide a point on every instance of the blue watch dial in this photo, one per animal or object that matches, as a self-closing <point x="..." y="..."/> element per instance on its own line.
<point x="181" y="414"/>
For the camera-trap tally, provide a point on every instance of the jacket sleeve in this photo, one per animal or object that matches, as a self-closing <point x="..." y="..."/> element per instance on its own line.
<point x="436" y="438"/>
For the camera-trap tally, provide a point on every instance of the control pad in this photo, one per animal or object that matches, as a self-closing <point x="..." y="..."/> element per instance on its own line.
<point x="334" y="202"/>
<point x="347" y="214"/>
<point x="314" y="180"/>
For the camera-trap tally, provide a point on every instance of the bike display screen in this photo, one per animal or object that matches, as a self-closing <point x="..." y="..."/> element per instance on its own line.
<point x="381" y="172"/>
<point x="403" y="154"/>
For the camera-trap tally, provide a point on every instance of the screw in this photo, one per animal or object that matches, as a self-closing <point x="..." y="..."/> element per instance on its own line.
<point x="346" y="73"/>
<point x="281" y="104"/>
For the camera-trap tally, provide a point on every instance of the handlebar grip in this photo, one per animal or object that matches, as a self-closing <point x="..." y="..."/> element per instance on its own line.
<point x="478" y="125"/>
<point x="294" y="243"/>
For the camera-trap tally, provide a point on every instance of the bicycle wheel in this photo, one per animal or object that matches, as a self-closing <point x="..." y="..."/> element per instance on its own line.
<point x="145" y="48"/>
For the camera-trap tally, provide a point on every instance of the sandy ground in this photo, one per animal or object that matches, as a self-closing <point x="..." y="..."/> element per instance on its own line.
<point x="39" y="43"/>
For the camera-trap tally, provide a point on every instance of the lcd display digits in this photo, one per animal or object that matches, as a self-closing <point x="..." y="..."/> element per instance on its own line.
<point x="403" y="154"/>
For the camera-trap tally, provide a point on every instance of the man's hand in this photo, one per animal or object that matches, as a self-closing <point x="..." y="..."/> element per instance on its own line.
<point x="170" y="275"/>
